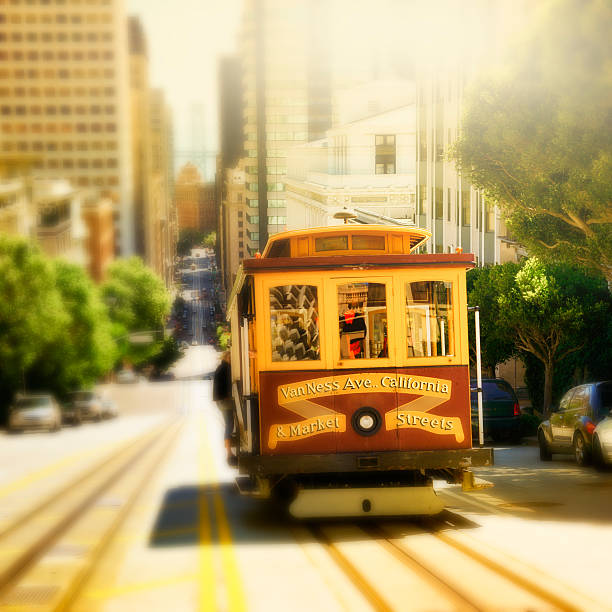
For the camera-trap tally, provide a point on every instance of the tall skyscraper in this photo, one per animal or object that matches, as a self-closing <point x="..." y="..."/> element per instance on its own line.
<point x="286" y="99"/>
<point x="141" y="131"/>
<point x="64" y="96"/>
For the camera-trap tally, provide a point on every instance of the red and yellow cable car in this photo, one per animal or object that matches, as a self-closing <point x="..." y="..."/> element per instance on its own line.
<point x="351" y="371"/>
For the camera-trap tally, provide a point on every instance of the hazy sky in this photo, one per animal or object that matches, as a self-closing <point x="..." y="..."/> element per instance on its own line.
<point x="185" y="38"/>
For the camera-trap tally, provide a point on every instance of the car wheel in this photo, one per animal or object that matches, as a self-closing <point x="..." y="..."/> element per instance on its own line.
<point x="580" y="450"/>
<point x="545" y="454"/>
<point x="598" y="460"/>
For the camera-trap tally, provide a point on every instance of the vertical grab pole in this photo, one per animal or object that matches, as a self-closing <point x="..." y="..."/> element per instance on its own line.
<point x="246" y="379"/>
<point x="479" y="376"/>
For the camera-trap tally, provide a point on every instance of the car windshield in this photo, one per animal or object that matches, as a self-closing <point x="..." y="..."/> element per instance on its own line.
<point x="493" y="390"/>
<point x="32" y="402"/>
<point x="606" y="397"/>
<point x="80" y="396"/>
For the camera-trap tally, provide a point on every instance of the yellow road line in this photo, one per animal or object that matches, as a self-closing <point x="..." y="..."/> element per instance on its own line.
<point x="206" y="577"/>
<point x="233" y="583"/>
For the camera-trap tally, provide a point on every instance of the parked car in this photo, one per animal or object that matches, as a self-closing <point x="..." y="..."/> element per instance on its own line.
<point x="572" y="425"/>
<point x="125" y="377"/>
<point x="602" y="436"/>
<point x="88" y="404"/>
<point x="109" y="408"/>
<point x="501" y="414"/>
<point x="35" y="411"/>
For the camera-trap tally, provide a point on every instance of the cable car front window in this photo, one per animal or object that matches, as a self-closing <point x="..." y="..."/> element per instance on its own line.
<point x="294" y="323"/>
<point x="429" y="316"/>
<point x="362" y="315"/>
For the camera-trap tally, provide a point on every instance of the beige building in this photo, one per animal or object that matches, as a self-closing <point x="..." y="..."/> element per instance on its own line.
<point x="64" y="96"/>
<point x="367" y="163"/>
<point x="458" y="215"/>
<point x="161" y="231"/>
<point x="46" y="211"/>
<point x="141" y="131"/>
<point x="235" y="221"/>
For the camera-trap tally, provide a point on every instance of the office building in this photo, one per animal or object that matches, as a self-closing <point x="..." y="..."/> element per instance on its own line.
<point x="366" y="164"/>
<point x="64" y="96"/>
<point x="286" y="93"/>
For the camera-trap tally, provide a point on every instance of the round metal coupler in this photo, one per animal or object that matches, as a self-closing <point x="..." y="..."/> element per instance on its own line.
<point x="366" y="421"/>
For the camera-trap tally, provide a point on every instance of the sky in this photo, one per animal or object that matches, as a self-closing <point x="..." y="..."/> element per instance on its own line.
<point x="185" y="39"/>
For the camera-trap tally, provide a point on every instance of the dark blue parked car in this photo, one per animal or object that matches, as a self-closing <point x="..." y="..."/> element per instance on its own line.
<point x="501" y="413"/>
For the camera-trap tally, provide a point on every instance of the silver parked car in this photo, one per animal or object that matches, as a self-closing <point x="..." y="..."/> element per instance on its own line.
<point x="88" y="404"/>
<point x="35" y="412"/>
<point x="602" y="436"/>
<point x="109" y="408"/>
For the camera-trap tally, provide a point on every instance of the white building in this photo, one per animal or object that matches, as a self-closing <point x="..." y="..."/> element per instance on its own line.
<point x="368" y="163"/>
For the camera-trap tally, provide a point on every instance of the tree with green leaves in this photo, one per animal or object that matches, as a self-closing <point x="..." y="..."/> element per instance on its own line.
<point x="84" y="349"/>
<point x="137" y="301"/>
<point x="536" y="136"/>
<point x="210" y="240"/>
<point x="484" y="286"/>
<point x="32" y="315"/>
<point x="188" y="239"/>
<point x="551" y="312"/>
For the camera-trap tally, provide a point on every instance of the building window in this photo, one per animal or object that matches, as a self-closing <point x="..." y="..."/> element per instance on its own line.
<point x="489" y="217"/>
<point x="466" y="209"/>
<point x="439" y="204"/>
<point x="385" y="154"/>
<point x="448" y="205"/>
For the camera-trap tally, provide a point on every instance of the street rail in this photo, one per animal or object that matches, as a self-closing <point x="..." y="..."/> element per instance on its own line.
<point x="433" y="564"/>
<point x="48" y="552"/>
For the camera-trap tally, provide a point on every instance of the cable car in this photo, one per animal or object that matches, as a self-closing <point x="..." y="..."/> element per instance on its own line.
<point x="351" y="372"/>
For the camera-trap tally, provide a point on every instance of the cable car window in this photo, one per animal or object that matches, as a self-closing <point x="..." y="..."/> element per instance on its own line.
<point x="280" y="248"/>
<point x="362" y="313"/>
<point x="294" y="323"/>
<point x="331" y="243"/>
<point x="429" y="316"/>
<point x="369" y="243"/>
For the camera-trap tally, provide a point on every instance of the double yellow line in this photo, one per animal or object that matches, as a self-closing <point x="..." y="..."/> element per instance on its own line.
<point x="206" y="574"/>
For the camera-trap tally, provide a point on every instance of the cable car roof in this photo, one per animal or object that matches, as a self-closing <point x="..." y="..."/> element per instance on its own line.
<point x="334" y="240"/>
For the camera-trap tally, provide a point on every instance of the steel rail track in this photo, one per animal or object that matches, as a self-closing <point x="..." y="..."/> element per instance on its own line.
<point x="462" y="583"/>
<point x="26" y="542"/>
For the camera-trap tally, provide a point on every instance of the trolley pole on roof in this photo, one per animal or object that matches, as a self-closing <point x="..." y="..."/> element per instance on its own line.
<point x="476" y="310"/>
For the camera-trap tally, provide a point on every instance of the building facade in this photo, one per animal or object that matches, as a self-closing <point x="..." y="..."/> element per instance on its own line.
<point x="286" y="89"/>
<point x="367" y="164"/>
<point x="64" y="96"/>
<point x="233" y="227"/>
<point x="458" y="215"/>
<point x="195" y="200"/>
<point x="160" y="221"/>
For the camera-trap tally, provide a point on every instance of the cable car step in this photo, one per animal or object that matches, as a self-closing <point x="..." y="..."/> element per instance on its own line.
<point x="365" y="501"/>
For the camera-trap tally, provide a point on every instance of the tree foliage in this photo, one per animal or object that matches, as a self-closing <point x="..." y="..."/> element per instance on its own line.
<point x="55" y="334"/>
<point x="556" y="317"/>
<point x="210" y="240"/>
<point x="137" y="301"/>
<point x="32" y="316"/>
<point x="170" y="353"/>
<point x="536" y="137"/>
<point x="189" y="238"/>
<point x="84" y="349"/>
<point x="484" y="285"/>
